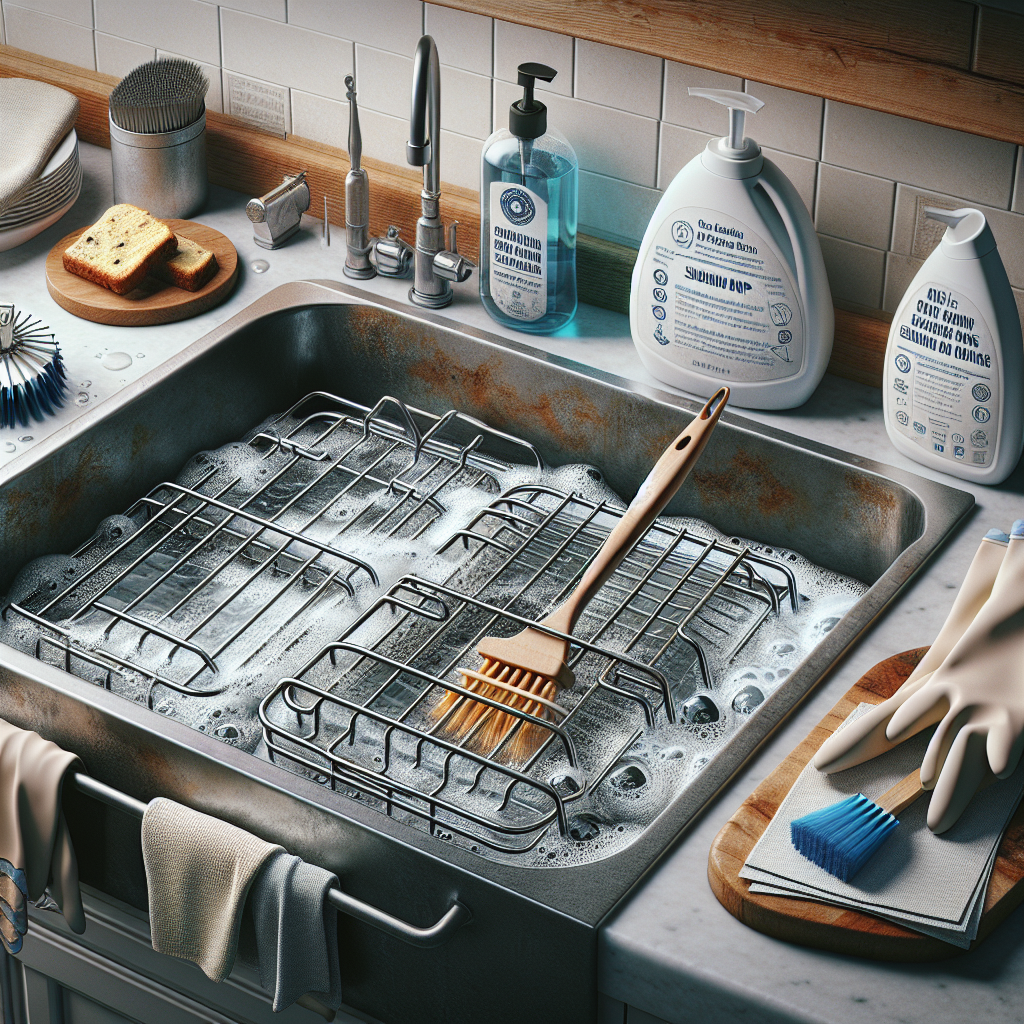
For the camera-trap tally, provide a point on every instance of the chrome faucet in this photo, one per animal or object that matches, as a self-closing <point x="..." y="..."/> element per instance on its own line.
<point x="435" y="266"/>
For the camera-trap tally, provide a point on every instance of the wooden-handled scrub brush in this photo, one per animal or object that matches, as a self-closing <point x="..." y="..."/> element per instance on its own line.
<point x="843" y="837"/>
<point x="32" y="376"/>
<point x="528" y="670"/>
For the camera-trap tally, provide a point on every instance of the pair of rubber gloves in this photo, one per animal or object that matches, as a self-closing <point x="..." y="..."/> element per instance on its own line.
<point x="971" y="682"/>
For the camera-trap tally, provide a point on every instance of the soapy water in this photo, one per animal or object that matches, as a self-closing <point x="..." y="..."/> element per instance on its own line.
<point x="214" y="586"/>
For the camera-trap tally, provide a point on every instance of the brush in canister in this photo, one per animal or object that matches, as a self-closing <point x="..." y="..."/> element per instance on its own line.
<point x="843" y="837"/>
<point x="32" y="375"/>
<point x="160" y="96"/>
<point x="525" y="672"/>
<point x="158" y="138"/>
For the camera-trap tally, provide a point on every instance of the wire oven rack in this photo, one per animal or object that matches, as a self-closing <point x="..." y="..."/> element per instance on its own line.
<point x="214" y="573"/>
<point x="358" y="716"/>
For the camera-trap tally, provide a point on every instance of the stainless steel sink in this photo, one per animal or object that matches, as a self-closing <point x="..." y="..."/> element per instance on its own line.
<point x="848" y="514"/>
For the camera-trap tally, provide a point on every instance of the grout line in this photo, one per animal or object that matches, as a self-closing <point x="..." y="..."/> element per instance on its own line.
<point x="661" y="119"/>
<point x="95" y="42"/>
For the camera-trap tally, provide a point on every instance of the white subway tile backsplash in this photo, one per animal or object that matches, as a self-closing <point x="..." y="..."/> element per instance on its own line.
<point x="320" y="119"/>
<point x="463" y="40"/>
<point x="515" y="44"/>
<point x="394" y="25"/>
<point x="460" y="160"/>
<point x="606" y="140"/>
<point x="3" y="31"/>
<point x="790" y="121"/>
<point x="680" y="108"/>
<point x="618" y="78"/>
<point x="616" y="210"/>
<point x="52" y="37"/>
<point x="678" y="147"/>
<point x="119" y="56"/>
<point x="899" y="272"/>
<point x="275" y="9"/>
<point x="188" y="27"/>
<point x="915" y="235"/>
<point x="383" y="81"/>
<point x="855" y="272"/>
<point x="214" y="97"/>
<point x="854" y="206"/>
<point x="959" y="164"/>
<point x="77" y="11"/>
<point x="465" y="103"/>
<point x="310" y="61"/>
<point x="803" y="173"/>
<point x="384" y="136"/>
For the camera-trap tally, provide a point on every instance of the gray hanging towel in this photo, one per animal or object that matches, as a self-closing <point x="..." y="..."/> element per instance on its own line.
<point x="198" y="869"/>
<point x="296" y="932"/>
<point x="34" y="117"/>
<point x="35" y="848"/>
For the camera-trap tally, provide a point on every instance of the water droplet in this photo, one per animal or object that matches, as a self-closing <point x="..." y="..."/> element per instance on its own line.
<point x="565" y="783"/>
<point x="117" y="360"/>
<point x="87" y="383"/>
<point x="747" y="699"/>
<point x="594" y="474"/>
<point x="827" y="624"/>
<point x="629" y="778"/>
<point x="781" y="649"/>
<point x="226" y="732"/>
<point x="700" y="710"/>
<point x="82" y="398"/>
<point x="583" y="828"/>
<point x="140" y="355"/>
<point x="9" y="447"/>
<point x="259" y="266"/>
<point x="26" y="437"/>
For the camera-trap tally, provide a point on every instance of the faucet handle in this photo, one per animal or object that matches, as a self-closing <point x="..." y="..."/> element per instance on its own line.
<point x="391" y="255"/>
<point x="451" y="265"/>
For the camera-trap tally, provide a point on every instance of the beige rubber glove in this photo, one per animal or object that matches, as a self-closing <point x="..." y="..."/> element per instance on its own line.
<point x="977" y="697"/>
<point x="866" y="738"/>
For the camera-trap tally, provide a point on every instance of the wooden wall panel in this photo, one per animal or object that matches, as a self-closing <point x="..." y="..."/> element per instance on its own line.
<point x="909" y="57"/>
<point x="999" y="47"/>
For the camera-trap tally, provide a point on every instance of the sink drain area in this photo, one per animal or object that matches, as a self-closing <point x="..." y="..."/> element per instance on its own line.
<point x="310" y="592"/>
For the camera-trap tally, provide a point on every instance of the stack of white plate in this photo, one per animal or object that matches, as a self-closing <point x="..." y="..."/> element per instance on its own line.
<point x="47" y="199"/>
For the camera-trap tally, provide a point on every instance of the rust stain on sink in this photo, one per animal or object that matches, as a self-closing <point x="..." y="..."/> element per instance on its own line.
<point x="749" y="481"/>
<point x="566" y="415"/>
<point x="872" y="494"/>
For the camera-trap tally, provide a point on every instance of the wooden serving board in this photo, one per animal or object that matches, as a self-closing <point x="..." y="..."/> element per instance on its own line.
<point x="153" y="302"/>
<point x="808" y="923"/>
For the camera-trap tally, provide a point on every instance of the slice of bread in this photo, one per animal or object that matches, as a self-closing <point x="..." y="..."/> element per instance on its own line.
<point x="120" y="248"/>
<point x="190" y="268"/>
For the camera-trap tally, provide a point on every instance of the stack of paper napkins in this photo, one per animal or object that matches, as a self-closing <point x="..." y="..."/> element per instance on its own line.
<point x="932" y="884"/>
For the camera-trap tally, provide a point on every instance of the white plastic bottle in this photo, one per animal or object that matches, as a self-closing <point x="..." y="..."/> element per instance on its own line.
<point x="953" y="390"/>
<point x="729" y="286"/>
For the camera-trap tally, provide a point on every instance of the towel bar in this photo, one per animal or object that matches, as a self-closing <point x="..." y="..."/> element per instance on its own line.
<point x="433" y="935"/>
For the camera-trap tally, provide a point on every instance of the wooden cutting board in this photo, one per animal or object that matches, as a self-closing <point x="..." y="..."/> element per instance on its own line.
<point x="153" y="302"/>
<point x="808" y="923"/>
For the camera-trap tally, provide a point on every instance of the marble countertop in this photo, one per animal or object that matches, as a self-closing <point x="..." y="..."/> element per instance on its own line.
<point x="671" y="950"/>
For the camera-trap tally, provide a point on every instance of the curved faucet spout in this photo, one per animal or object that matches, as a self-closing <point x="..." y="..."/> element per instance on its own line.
<point x="424" y="147"/>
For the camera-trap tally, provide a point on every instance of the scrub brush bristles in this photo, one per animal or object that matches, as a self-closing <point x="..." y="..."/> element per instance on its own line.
<point x="32" y="376"/>
<point x="843" y="837"/>
<point x="160" y="96"/>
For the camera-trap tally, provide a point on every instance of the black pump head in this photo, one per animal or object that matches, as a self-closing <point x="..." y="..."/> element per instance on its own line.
<point x="528" y="117"/>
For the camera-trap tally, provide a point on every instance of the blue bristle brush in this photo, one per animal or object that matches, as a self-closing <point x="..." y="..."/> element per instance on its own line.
<point x="32" y="375"/>
<point x="843" y="837"/>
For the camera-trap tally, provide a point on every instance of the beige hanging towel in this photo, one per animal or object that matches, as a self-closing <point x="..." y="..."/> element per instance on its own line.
<point x="34" y="118"/>
<point x="35" y="848"/>
<point x="199" y="870"/>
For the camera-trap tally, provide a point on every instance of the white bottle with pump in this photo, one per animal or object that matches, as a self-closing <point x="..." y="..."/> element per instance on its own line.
<point x="729" y="285"/>
<point x="953" y="389"/>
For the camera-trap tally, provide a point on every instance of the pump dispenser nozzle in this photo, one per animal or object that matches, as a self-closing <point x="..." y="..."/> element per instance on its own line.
<point x="528" y="117"/>
<point x="967" y="235"/>
<point x="739" y="104"/>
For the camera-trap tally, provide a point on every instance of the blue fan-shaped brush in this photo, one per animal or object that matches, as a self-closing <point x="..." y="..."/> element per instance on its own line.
<point x="843" y="837"/>
<point x="32" y="376"/>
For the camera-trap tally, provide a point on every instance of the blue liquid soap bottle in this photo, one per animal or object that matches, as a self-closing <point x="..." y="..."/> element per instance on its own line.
<point x="528" y="195"/>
